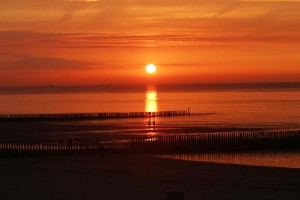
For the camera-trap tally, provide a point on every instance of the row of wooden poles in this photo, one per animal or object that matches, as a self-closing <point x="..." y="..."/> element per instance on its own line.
<point x="219" y="140"/>
<point x="51" y="144"/>
<point x="93" y="115"/>
<point x="200" y="141"/>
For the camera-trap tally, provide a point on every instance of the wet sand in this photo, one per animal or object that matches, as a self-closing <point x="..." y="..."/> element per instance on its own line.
<point x="140" y="177"/>
<point x="131" y="176"/>
<point x="104" y="128"/>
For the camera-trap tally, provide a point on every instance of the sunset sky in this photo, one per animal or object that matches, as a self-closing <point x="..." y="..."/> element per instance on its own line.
<point x="90" y="42"/>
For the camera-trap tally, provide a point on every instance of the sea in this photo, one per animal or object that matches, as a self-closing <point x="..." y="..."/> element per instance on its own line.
<point x="213" y="107"/>
<point x="267" y="105"/>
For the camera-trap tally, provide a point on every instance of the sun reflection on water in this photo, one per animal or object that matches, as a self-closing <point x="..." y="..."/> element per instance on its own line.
<point x="151" y="101"/>
<point x="151" y="107"/>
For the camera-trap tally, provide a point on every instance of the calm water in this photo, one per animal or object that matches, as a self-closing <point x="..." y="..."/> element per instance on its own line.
<point x="213" y="110"/>
<point x="254" y="107"/>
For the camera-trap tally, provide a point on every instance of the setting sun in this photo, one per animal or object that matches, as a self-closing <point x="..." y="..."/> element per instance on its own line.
<point x="150" y="68"/>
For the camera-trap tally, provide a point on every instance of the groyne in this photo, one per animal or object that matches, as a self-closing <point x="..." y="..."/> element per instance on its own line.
<point x="205" y="142"/>
<point x="42" y="147"/>
<point x="102" y="115"/>
<point x="234" y="141"/>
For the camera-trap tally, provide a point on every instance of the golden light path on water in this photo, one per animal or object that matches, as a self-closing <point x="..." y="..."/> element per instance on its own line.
<point x="151" y="101"/>
<point x="151" y="106"/>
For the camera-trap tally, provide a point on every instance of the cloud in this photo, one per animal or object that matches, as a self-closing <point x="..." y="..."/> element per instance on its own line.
<point x="26" y="35"/>
<point x="25" y="62"/>
<point x="12" y="40"/>
<point x="31" y="13"/>
<point x="145" y="23"/>
<point x="148" y="16"/>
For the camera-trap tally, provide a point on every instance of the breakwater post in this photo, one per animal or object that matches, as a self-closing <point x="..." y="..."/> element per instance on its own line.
<point x="232" y="141"/>
<point x="205" y="142"/>
<point x="50" y="144"/>
<point x="80" y="116"/>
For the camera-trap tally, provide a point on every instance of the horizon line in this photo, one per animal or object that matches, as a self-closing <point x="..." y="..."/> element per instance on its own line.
<point x="152" y="84"/>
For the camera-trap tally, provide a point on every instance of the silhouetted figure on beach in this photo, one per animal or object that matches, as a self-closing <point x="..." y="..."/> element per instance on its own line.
<point x="102" y="152"/>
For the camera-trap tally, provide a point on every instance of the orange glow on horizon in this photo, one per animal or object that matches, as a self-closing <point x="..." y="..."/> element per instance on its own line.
<point x="190" y="41"/>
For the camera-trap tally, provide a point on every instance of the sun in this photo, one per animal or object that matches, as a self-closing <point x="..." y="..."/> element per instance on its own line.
<point x="150" y="68"/>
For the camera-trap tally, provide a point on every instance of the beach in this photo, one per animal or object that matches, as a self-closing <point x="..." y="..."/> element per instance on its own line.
<point x="140" y="177"/>
<point x="141" y="99"/>
<point x="72" y="175"/>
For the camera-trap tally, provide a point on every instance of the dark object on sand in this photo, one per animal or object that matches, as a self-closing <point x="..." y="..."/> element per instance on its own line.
<point x="173" y="195"/>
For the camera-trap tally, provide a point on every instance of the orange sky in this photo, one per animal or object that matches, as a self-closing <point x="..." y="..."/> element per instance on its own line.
<point x="69" y="42"/>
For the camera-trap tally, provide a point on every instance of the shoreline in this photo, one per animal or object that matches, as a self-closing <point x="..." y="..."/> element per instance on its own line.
<point x="266" y="158"/>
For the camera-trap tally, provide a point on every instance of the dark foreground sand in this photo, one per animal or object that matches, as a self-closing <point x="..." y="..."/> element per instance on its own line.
<point x="140" y="177"/>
